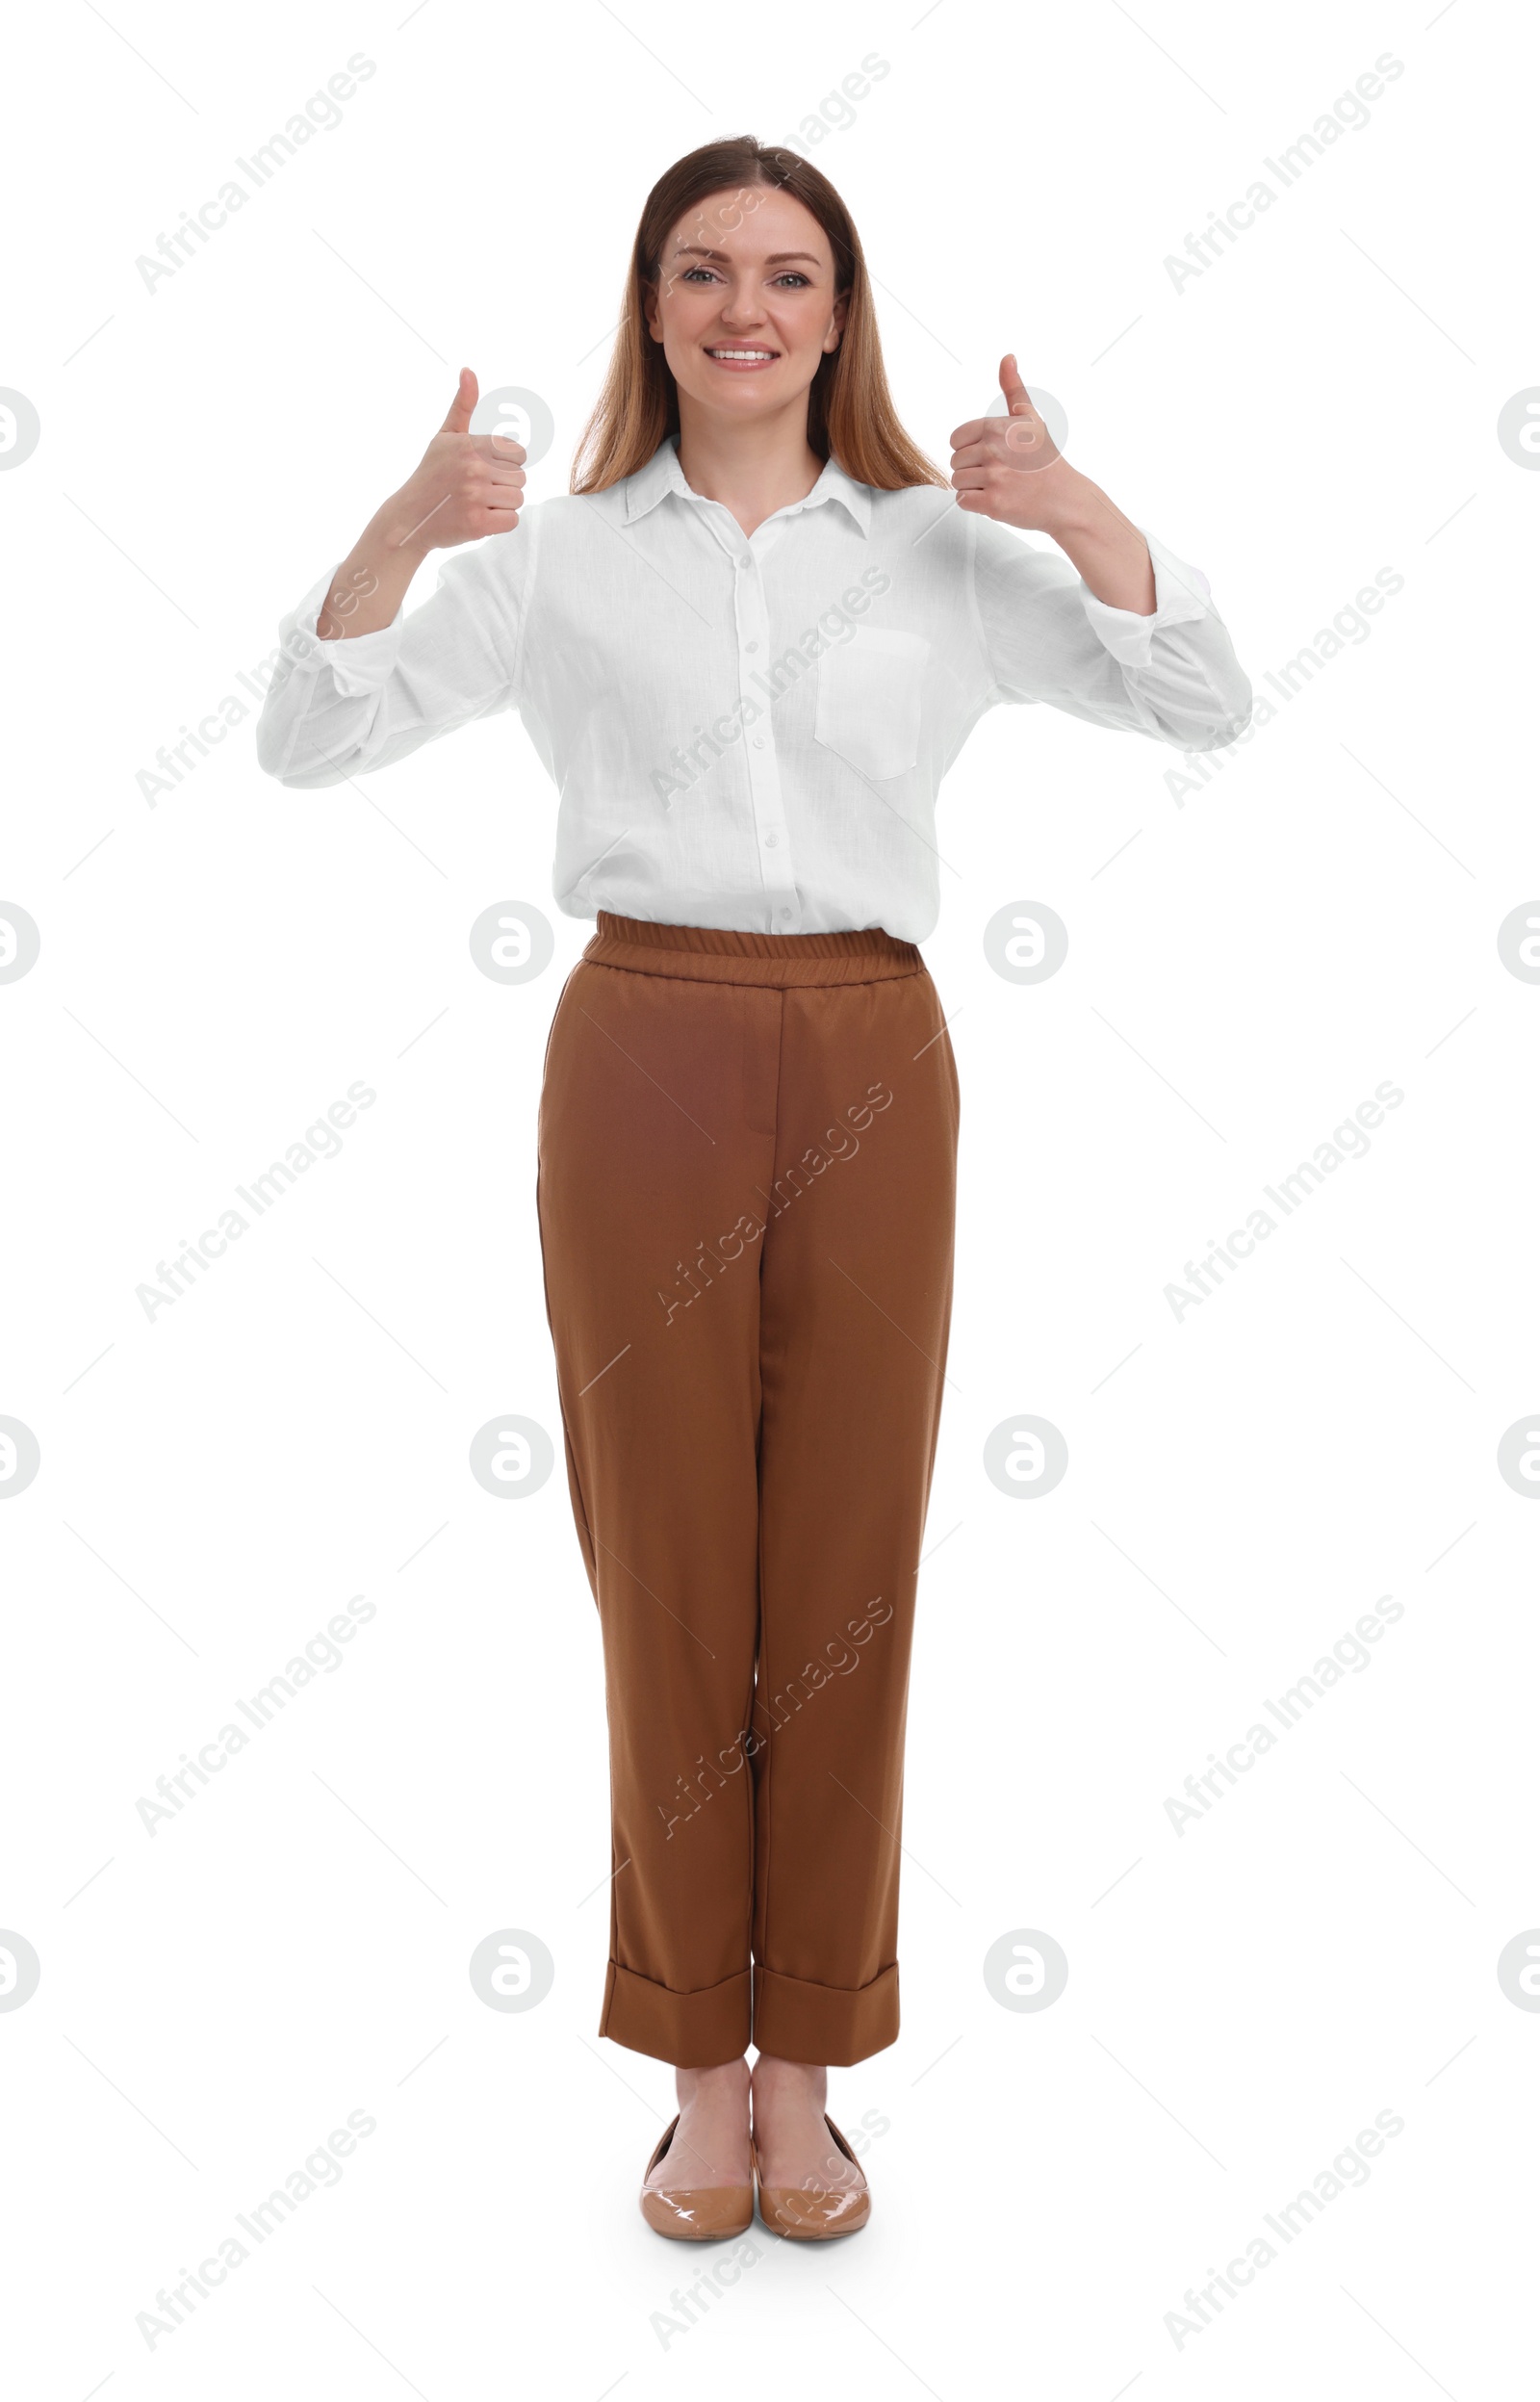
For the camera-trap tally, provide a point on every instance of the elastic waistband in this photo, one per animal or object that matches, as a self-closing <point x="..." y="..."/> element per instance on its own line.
<point x="726" y="955"/>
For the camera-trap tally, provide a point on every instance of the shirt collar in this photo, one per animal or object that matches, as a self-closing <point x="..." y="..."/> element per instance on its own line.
<point x="663" y="474"/>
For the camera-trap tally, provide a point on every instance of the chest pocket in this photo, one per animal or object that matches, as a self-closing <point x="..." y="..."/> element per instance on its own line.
<point x="870" y="690"/>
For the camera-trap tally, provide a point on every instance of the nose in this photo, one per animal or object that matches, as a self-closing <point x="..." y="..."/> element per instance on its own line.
<point x="742" y="305"/>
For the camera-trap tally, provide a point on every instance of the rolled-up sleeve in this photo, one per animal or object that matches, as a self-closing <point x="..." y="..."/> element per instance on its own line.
<point x="339" y="709"/>
<point x="1173" y="674"/>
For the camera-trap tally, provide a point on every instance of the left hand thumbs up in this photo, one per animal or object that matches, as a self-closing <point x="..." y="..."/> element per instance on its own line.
<point x="1010" y="467"/>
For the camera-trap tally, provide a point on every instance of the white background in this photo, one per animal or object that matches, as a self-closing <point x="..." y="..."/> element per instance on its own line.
<point x="1243" y="969"/>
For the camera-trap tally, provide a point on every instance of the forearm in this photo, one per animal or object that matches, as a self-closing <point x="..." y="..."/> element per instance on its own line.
<point x="368" y="587"/>
<point x="1112" y="555"/>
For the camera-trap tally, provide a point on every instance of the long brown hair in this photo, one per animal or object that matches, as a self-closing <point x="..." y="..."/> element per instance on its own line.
<point x="851" y="415"/>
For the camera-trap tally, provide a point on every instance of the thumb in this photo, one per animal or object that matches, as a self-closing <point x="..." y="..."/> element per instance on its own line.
<point x="1018" y="399"/>
<point x="458" y="419"/>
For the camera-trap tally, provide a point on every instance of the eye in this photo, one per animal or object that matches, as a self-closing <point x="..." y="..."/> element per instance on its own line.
<point x="691" y="271"/>
<point x="794" y="275"/>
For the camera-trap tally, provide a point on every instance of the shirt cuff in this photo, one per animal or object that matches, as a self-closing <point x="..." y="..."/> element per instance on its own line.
<point x="1181" y="595"/>
<point x="357" y="665"/>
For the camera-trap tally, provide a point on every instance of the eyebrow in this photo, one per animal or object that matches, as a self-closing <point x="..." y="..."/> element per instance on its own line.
<point x="776" y="258"/>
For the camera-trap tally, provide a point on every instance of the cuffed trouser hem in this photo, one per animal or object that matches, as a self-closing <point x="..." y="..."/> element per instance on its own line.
<point x="828" y="2025"/>
<point x="690" y="2029"/>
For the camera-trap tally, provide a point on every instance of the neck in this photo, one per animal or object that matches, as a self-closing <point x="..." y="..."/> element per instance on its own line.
<point x="753" y="470"/>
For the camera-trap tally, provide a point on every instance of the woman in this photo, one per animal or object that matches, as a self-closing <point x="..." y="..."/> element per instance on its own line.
<point x="747" y="646"/>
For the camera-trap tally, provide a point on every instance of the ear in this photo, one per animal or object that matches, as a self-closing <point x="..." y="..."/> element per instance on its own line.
<point x="836" y="322"/>
<point x="651" y="311"/>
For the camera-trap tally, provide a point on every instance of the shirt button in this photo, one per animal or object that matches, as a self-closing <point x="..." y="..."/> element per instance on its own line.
<point x="785" y="913"/>
<point x="751" y="646"/>
<point x="758" y="741"/>
<point x="770" y="842"/>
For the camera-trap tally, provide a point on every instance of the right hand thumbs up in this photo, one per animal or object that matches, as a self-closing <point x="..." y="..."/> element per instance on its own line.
<point x="466" y="486"/>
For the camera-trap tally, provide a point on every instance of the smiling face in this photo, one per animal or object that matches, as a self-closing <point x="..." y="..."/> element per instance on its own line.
<point x="745" y="305"/>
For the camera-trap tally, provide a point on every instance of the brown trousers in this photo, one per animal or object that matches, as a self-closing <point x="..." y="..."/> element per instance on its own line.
<point x="747" y="1161"/>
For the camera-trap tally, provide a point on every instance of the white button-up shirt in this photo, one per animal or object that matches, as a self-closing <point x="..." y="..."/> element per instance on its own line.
<point x="749" y="729"/>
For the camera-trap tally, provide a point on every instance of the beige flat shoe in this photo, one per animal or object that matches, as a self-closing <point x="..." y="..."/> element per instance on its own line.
<point x="812" y="2214"/>
<point x="695" y="2214"/>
